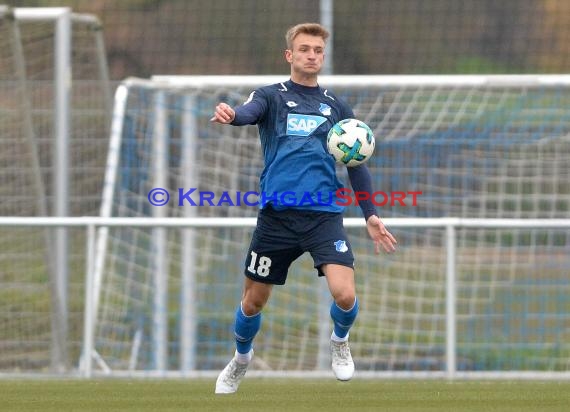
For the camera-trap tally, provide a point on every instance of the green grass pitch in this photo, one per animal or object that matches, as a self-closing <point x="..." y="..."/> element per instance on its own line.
<point x="276" y="395"/>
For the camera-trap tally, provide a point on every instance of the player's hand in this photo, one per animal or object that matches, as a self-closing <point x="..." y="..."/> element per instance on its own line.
<point x="223" y="114"/>
<point x="380" y="235"/>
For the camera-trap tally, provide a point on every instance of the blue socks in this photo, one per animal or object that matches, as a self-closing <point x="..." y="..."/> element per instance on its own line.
<point x="246" y="327"/>
<point x="343" y="319"/>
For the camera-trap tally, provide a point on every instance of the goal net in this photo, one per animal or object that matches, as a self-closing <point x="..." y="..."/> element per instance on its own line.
<point x="473" y="146"/>
<point x="39" y="332"/>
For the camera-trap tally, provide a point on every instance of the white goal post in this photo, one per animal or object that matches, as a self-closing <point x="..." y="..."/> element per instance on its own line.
<point x="477" y="288"/>
<point x="55" y="107"/>
<point x="451" y="225"/>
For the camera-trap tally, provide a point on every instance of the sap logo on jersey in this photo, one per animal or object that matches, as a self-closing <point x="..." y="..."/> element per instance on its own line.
<point x="302" y="124"/>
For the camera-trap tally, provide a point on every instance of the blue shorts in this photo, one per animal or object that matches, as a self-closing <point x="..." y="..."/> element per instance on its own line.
<point x="280" y="237"/>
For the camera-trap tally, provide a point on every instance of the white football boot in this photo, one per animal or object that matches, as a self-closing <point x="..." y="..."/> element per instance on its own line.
<point x="229" y="379"/>
<point x="342" y="364"/>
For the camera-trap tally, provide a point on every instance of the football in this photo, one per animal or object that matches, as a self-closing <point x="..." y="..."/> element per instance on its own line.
<point x="351" y="142"/>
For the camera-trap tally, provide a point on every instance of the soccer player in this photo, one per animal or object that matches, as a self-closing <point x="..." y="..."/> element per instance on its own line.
<point x="293" y="119"/>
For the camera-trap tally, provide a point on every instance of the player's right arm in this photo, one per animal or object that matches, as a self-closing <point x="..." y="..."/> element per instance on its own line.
<point x="250" y="112"/>
<point x="223" y="114"/>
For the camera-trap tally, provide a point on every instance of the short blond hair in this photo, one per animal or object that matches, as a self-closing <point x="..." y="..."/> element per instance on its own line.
<point x="313" y="29"/>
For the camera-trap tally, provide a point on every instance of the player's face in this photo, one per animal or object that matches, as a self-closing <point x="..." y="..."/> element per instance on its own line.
<point x="306" y="55"/>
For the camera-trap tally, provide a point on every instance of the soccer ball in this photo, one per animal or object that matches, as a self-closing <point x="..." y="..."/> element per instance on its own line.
<point x="350" y="142"/>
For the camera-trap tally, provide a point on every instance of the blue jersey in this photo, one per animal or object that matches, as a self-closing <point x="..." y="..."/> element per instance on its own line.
<point x="294" y="122"/>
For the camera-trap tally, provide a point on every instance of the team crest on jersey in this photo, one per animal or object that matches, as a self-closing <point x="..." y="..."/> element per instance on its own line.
<point x="325" y="109"/>
<point x="303" y="124"/>
<point x="340" y="246"/>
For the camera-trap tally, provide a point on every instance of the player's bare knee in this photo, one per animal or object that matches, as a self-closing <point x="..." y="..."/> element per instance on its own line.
<point x="345" y="300"/>
<point x="255" y="296"/>
<point x="251" y="308"/>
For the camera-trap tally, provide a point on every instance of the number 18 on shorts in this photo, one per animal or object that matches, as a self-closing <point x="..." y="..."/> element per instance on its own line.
<point x="259" y="265"/>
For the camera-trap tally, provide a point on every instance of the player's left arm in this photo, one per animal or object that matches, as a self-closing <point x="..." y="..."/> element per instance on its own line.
<point x="361" y="181"/>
